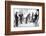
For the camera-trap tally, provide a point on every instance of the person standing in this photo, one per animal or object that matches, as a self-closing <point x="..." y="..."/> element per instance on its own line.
<point x="28" y="17"/>
<point x="21" y="17"/>
<point x="16" y="19"/>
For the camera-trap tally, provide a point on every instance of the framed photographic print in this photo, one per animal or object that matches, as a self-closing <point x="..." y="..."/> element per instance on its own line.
<point x="24" y="17"/>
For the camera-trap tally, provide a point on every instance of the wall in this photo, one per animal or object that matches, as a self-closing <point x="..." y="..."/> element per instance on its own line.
<point x="2" y="18"/>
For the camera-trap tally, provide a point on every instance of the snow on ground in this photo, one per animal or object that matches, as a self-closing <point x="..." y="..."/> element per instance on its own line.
<point x="26" y="25"/>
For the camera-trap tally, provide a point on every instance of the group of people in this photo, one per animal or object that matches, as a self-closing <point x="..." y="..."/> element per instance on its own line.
<point x="28" y="17"/>
<point x="16" y="18"/>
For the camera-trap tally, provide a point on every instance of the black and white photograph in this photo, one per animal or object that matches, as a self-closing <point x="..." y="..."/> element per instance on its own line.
<point x="25" y="17"/>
